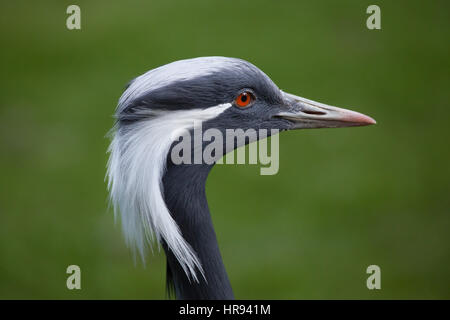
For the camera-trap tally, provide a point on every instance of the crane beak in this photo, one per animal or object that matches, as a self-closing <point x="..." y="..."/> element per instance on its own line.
<point x="307" y="114"/>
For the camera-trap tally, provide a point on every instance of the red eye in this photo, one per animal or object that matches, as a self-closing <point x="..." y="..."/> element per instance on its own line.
<point x="244" y="99"/>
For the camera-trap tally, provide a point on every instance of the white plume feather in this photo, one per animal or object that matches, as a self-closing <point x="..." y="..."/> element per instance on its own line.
<point x="135" y="169"/>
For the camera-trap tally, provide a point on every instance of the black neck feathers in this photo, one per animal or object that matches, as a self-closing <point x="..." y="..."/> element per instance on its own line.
<point x="185" y="197"/>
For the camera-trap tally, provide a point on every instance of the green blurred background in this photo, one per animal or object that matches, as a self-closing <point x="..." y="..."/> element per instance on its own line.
<point x="343" y="198"/>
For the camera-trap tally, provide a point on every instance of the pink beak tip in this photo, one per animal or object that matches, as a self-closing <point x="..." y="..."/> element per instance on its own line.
<point x="370" y="120"/>
<point x="361" y="119"/>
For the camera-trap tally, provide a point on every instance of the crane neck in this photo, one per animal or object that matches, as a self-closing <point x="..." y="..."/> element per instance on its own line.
<point x="185" y="197"/>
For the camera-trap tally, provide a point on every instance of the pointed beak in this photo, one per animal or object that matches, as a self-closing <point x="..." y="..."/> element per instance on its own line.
<point x="307" y="114"/>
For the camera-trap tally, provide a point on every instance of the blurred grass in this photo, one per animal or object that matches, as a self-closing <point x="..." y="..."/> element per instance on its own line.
<point x="342" y="200"/>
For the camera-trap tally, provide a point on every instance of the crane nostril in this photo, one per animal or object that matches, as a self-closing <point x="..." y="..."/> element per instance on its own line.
<point x="314" y="112"/>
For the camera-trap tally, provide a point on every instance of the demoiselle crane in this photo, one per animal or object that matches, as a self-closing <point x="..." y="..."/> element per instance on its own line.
<point x="160" y="199"/>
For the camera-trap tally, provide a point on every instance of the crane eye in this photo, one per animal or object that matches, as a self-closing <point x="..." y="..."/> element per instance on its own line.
<point x="244" y="99"/>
